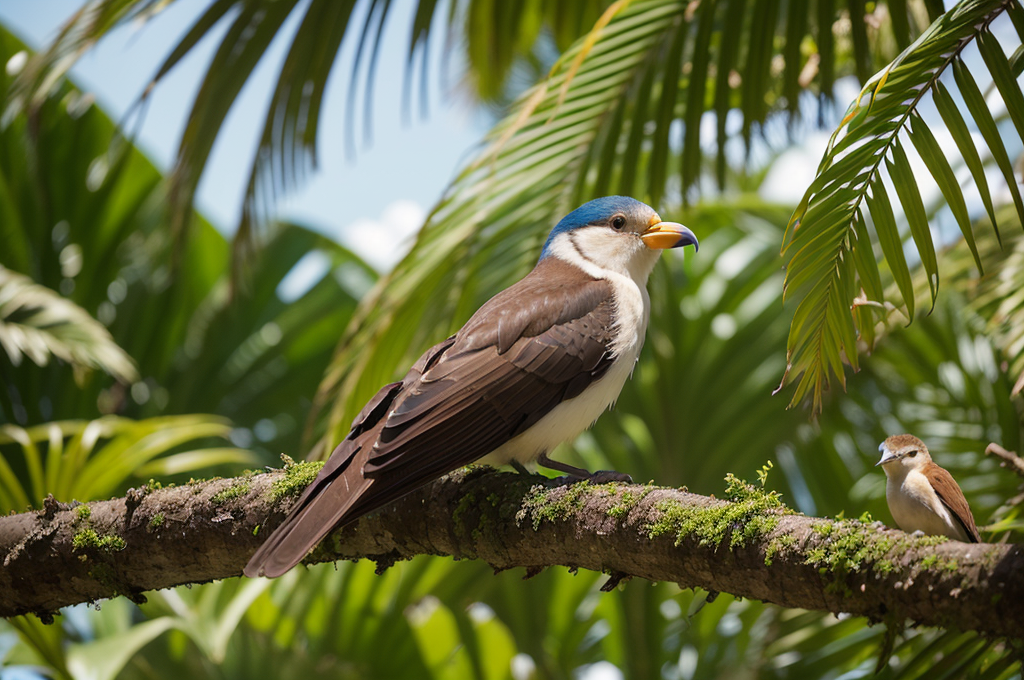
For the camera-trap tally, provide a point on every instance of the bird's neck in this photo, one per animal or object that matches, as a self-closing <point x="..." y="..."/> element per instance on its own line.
<point x="604" y="258"/>
<point x="896" y="473"/>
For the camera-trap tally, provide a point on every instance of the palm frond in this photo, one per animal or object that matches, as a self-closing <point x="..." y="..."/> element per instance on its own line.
<point x="498" y="35"/>
<point x="600" y="123"/>
<point x="39" y="323"/>
<point x="827" y="244"/>
<point x="90" y="459"/>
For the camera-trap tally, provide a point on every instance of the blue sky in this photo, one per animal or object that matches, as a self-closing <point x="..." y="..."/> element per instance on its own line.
<point x="391" y="183"/>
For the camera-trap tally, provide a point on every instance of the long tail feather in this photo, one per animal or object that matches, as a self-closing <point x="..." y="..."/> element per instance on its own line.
<point x="322" y="507"/>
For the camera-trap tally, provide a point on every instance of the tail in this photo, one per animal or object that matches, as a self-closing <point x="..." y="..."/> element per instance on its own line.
<point x="325" y="505"/>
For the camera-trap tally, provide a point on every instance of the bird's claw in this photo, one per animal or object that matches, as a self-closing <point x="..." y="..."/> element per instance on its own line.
<point x="599" y="477"/>
<point x="605" y="476"/>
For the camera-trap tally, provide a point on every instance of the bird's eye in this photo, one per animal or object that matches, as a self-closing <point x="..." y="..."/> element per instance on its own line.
<point x="912" y="453"/>
<point x="618" y="221"/>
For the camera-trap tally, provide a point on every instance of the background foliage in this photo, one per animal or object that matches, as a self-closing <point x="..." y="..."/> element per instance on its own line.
<point x="131" y="350"/>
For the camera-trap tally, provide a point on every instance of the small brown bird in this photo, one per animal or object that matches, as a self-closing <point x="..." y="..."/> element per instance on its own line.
<point x="923" y="496"/>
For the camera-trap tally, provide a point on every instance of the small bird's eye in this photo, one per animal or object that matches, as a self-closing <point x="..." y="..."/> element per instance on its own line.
<point x="912" y="453"/>
<point x="618" y="221"/>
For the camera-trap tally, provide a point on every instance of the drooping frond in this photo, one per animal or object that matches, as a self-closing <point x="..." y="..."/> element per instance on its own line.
<point x="710" y="56"/>
<point x="498" y="34"/>
<point x="619" y="113"/>
<point x="828" y="243"/>
<point x="38" y="323"/>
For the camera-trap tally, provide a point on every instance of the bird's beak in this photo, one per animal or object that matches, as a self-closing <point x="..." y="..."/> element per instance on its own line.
<point x="887" y="455"/>
<point x="661" y="235"/>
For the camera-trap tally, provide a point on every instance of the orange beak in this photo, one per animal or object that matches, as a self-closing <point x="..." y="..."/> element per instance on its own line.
<point x="661" y="235"/>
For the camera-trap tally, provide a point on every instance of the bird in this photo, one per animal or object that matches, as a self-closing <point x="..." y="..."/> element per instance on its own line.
<point x="532" y="368"/>
<point x="921" y="495"/>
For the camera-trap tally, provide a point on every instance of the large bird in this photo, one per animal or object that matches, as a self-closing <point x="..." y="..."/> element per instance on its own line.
<point x="532" y="368"/>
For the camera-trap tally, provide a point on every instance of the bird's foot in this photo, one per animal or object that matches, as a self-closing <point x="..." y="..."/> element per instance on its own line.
<point x="918" y="533"/>
<point x="599" y="477"/>
<point x="520" y="468"/>
<point x="606" y="476"/>
<point x="575" y="474"/>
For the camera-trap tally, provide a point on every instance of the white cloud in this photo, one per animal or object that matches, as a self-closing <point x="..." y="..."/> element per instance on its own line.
<point x="383" y="242"/>
<point x="793" y="171"/>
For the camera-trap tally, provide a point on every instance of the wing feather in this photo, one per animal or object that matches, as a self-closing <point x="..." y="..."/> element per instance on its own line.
<point x="953" y="498"/>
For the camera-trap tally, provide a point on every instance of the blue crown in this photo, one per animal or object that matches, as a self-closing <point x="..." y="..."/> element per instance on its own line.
<point x="589" y="212"/>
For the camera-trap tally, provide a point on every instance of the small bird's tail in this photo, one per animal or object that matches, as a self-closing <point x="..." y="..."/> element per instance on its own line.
<point x="323" y="506"/>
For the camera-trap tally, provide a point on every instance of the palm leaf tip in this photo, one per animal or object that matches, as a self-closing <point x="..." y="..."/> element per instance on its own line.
<point x="38" y="323"/>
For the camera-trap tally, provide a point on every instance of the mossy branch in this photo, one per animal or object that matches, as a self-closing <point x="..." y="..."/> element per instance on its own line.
<point x="751" y="545"/>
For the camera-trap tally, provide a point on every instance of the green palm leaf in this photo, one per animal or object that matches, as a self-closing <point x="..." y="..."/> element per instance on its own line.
<point x="600" y="123"/>
<point x="499" y="35"/>
<point x="85" y="460"/>
<point x="38" y="323"/>
<point x="824" y="235"/>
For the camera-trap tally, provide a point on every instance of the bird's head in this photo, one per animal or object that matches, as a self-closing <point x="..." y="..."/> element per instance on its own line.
<point x="617" y="233"/>
<point x="903" y="450"/>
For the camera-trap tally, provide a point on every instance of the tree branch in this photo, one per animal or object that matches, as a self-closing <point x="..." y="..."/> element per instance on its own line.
<point x="751" y="546"/>
<point x="1008" y="459"/>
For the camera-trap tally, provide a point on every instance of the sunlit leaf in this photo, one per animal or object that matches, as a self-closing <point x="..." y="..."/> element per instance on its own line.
<point x="851" y="168"/>
<point x="38" y="323"/>
<point x="95" y="459"/>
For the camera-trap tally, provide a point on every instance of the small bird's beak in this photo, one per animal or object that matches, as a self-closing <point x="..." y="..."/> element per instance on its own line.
<point x="661" y="235"/>
<point x="887" y="455"/>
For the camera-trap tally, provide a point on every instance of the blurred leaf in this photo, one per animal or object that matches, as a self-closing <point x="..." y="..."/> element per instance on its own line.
<point x="998" y="298"/>
<point x="254" y="354"/>
<point x="106" y="658"/>
<point x="87" y="460"/>
<point x="38" y="323"/>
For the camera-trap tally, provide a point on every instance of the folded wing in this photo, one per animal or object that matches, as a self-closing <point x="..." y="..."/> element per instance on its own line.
<point x="952" y="497"/>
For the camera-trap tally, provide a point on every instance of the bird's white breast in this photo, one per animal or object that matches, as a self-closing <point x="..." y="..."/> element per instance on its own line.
<point x="565" y="421"/>
<point x="916" y="507"/>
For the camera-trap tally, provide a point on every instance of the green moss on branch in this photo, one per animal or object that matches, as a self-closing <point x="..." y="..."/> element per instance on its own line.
<point x="297" y="476"/>
<point x="89" y="539"/>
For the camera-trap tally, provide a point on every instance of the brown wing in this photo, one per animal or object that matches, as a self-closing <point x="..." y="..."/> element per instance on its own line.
<point x="953" y="498"/>
<point x="536" y="344"/>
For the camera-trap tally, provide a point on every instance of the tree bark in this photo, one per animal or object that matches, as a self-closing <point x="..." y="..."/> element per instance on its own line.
<point x="750" y="546"/>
